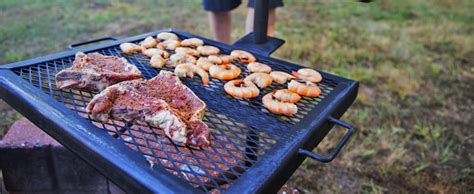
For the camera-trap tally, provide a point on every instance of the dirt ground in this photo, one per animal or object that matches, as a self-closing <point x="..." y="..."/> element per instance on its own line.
<point x="414" y="60"/>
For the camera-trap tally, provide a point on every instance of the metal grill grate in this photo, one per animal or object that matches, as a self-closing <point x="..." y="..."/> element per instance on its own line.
<point x="238" y="140"/>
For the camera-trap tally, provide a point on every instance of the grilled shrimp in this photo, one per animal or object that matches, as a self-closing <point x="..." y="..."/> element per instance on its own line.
<point x="214" y="59"/>
<point x="189" y="69"/>
<point x="154" y="51"/>
<point x="192" y="42"/>
<point x="187" y="50"/>
<point x="243" y="56"/>
<point x="281" y="77"/>
<point x="247" y="90"/>
<point x="149" y="42"/>
<point x="258" y="67"/>
<point x="224" y="72"/>
<point x="278" y="107"/>
<point x="204" y="64"/>
<point x="262" y="80"/>
<point x="166" y="36"/>
<point x="227" y="58"/>
<point x="221" y="59"/>
<point x="179" y="58"/>
<point x="129" y="48"/>
<point x="309" y="89"/>
<point x="308" y="75"/>
<point x="286" y="95"/>
<point x="208" y="50"/>
<point x="157" y="61"/>
<point x="168" y="44"/>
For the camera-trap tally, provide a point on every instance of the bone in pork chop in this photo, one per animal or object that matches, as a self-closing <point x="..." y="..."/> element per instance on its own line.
<point x="162" y="102"/>
<point x="94" y="72"/>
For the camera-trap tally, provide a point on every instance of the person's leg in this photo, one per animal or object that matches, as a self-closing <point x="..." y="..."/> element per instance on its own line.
<point x="221" y="25"/>
<point x="218" y="12"/>
<point x="271" y="20"/>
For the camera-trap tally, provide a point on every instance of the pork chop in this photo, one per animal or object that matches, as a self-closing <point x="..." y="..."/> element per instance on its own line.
<point x="162" y="102"/>
<point x="94" y="72"/>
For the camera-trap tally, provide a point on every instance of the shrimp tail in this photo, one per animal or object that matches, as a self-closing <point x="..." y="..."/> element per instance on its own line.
<point x="190" y="74"/>
<point x="205" y="81"/>
<point x="204" y="76"/>
<point x="294" y="73"/>
<point x="238" y="81"/>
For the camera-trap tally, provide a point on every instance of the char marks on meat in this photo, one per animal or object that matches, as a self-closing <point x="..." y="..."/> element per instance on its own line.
<point x="162" y="102"/>
<point x="95" y="72"/>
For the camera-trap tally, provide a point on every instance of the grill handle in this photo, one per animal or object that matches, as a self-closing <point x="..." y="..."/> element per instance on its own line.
<point x="333" y="154"/>
<point x="74" y="45"/>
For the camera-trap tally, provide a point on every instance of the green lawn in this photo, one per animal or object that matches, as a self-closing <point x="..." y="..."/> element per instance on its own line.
<point x="413" y="58"/>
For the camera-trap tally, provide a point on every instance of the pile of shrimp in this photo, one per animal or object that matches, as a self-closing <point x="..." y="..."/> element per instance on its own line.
<point x="191" y="57"/>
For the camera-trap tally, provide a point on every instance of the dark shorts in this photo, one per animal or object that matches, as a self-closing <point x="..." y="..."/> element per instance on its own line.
<point x="228" y="5"/>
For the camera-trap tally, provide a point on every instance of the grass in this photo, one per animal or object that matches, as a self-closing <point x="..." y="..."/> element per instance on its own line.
<point x="414" y="60"/>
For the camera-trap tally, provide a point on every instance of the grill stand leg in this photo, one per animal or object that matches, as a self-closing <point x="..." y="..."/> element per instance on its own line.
<point x="260" y="22"/>
<point x="258" y="41"/>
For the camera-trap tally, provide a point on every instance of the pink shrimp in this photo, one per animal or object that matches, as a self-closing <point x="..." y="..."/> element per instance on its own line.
<point x="308" y="89"/>
<point x="278" y="107"/>
<point x="308" y="74"/>
<point x="262" y="80"/>
<point x="208" y="50"/>
<point x="192" y="42"/>
<point x="258" y="67"/>
<point x="243" y="56"/>
<point x="189" y="69"/>
<point x="286" y="95"/>
<point x="247" y="90"/>
<point x="204" y="63"/>
<point x="224" y="72"/>
<point x="281" y="77"/>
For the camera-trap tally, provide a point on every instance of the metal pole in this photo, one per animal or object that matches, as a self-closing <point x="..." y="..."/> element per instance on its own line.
<point x="260" y="21"/>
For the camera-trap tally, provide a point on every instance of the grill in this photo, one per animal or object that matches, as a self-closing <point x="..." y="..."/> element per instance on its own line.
<point x="252" y="150"/>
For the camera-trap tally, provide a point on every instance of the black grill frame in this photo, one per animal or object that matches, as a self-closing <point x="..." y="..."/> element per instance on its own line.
<point x="130" y="170"/>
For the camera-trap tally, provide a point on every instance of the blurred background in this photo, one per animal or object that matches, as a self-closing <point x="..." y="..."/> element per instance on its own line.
<point x="413" y="58"/>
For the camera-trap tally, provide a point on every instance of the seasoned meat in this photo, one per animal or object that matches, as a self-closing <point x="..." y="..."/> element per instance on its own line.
<point x="94" y="72"/>
<point x="119" y="103"/>
<point x="168" y="87"/>
<point x="162" y="102"/>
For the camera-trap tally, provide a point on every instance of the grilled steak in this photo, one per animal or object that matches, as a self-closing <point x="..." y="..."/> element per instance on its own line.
<point x="168" y="87"/>
<point x="94" y="72"/>
<point x="162" y="102"/>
